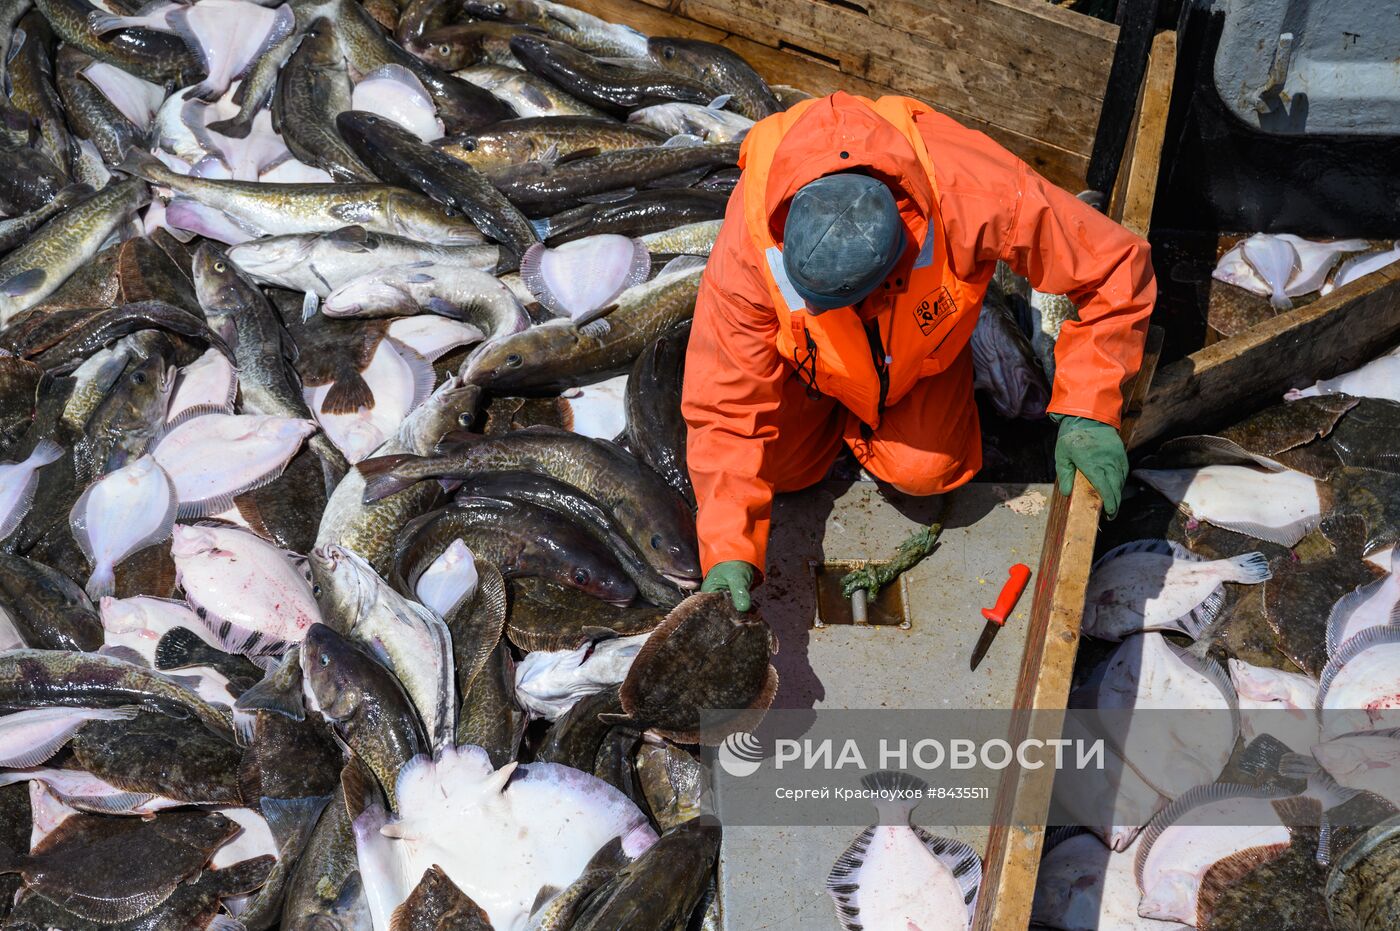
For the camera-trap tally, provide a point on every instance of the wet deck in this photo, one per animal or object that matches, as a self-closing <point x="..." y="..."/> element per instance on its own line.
<point x="774" y="878"/>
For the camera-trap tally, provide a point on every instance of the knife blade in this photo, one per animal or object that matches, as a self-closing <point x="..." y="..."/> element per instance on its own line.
<point x="997" y="614"/>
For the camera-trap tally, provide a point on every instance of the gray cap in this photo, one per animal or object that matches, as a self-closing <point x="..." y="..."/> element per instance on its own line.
<point x="843" y="236"/>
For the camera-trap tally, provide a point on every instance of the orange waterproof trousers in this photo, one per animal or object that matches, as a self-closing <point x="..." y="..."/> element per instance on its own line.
<point x="904" y="450"/>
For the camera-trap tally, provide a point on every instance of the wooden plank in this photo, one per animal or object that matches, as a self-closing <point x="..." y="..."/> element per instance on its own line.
<point x="1057" y="163"/>
<point x="1334" y="334"/>
<point x="1023" y="799"/>
<point x="1145" y="161"/>
<point x="1016" y="99"/>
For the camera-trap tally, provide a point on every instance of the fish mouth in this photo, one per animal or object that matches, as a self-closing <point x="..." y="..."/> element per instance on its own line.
<point x="684" y="582"/>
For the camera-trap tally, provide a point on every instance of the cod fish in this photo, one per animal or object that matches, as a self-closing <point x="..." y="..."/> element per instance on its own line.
<point x="1358" y="689"/>
<point x="43" y="608"/>
<point x="408" y="638"/>
<point x="558" y="355"/>
<point x="1162" y="586"/>
<point x="520" y="539"/>
<point x="213" y="458"/>
<point x="319" y="263"/>
<point x="48" y="678"/>
<point x="897" y="874"/>
<point x="120" y="513"/>
<point x="112" y="870"/>
<point x="545" y="616"/>
<point x="1379" y="378"/>
<point x="582" y="30"/>
<point x="651" y="514"/>
<point x="1208" y="825"/>
<point x="30" y="738"/>
<point x="612" y="87"/>
<point x="675" y="680"/>
<point x="251" y="595"/>
<point x="64" y="245"/>
<point x="661" y="887"/>
<point x="365" y="704"/>
<point x="513" y="142"/>
<point x="1280" y="507"/>
<point x="537" y="825"/>
<point x="1082" y="885"/>
<point x="550" y="682"/>
<point x="1374" y="604"/>
<point x="714" y="124"/>
<point x="656" y="431"/>
<point x="1145" y="672"/>
<point x="19" y="481"/>
<point x="722" y="70"/>
<point x="258" y="208"/>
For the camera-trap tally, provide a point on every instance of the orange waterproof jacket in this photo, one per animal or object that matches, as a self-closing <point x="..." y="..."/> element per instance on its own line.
<point x="966" y="203"/>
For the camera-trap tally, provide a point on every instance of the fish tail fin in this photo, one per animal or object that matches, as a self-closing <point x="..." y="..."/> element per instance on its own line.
<point x="103" y="582"/>
<point x="176" y="648"/>
<point x="45" y="452"/>
<point x="291" y="820"/>
<point x="141" y="164"/>
<point x="382" y="477"/>
<point x="280" y="690"/>
<point x="348" y="395"/>
<point x="896" y="794"/>
<point x="1263" y="756"/>
<point x="1250" y="568"/>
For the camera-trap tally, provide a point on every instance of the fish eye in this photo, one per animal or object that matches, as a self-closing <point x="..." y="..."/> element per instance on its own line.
<point x="139" y="377"/>
<point x="220" y="267"/>
<point x="668" y="52"/>
<point x="514" y="359"/>
<point x="581" y="576"/>
<point x="469" y="145"/>
<point x="464" y="420"/>
<point x="445" y="49"/>
<point x="325" y="659"/>
<point x="656" y="541"/>
<point x="499" y="8"/>
<point x="316" y="591"/>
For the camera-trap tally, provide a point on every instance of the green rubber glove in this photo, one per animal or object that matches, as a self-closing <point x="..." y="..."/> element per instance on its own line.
<point x="734" y="577"/>
<point x="1095" y="449"/>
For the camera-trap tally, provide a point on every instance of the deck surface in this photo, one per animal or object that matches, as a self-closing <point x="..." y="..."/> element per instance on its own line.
<point x="773" y="878"/>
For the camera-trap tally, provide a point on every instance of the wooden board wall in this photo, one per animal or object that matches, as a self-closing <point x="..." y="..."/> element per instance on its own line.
<point x="1026" y="72"/>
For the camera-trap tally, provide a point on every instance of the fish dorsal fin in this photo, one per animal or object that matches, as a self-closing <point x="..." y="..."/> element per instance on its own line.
<point x="1215" y="450"/>
<point x="681" y="265"/>
<point x="1057" y="836"/>
<point x="1346" y="606"/>
<point x="961" y="859"/>
<point x="1156" y="546"/>
<point x="1188" y="801"/>
<point x="1355" y="646"/>
<point x="842" y="883"/>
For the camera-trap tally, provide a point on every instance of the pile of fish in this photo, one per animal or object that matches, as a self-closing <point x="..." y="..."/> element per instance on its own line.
<point x="1262" y="627"/>
<point x="1282" y="266"/>
<point x="348" y="548"/>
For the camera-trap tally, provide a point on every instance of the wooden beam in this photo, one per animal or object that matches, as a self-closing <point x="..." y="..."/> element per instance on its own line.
<point x="781" y="57"/>
<point x="1235" y="376"/>
<point x="1023" y="798"/>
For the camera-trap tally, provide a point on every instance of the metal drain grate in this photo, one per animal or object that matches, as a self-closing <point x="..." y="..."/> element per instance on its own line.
<point x="888" y="610"/>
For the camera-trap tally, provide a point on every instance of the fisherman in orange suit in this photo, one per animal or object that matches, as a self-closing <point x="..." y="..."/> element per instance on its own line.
<point x="838" y="304"/>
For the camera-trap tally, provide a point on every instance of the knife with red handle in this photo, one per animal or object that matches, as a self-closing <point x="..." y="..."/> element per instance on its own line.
<point x="997" y="614"/>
